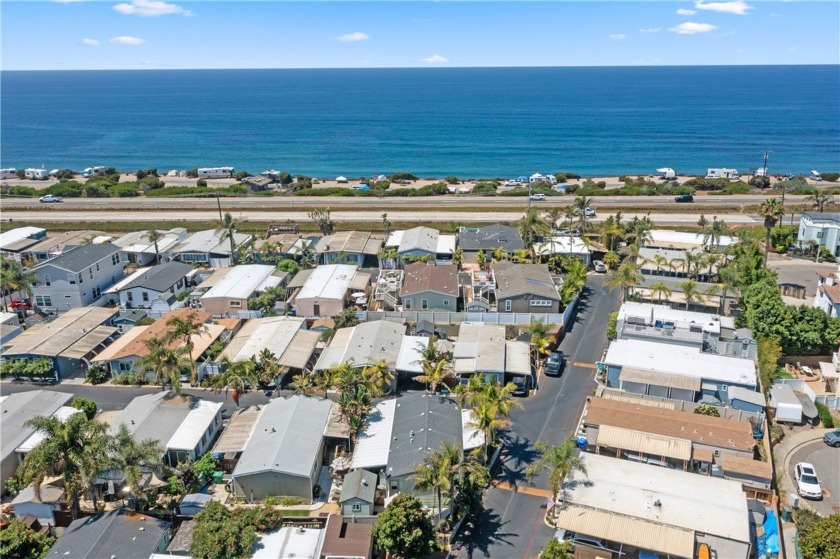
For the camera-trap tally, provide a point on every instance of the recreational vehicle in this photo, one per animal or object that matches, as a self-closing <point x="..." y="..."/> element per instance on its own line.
<point x="37" y="174"/>
<point x="722" y="174"/>
<point x="9" y="173"/>
<point x="215" y="172"/>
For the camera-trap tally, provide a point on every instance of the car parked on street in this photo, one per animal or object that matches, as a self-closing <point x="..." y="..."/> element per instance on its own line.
<point x="521" y="384"/>
<point x="50" y="199"/>
<point x="807" y="482"/>
<point x="555" y="364"/>
<point x="832" y="438"/>
<point x="600" y="267"/>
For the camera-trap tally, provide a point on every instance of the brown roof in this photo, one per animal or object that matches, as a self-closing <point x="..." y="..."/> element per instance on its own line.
<point x="420" y="276"/>
<point x="134" y="343"/>
<point x="325" y="322"/>
<point x="745" y="466"/>
<point x="285" y="241"/>
<point x="346" y="539"/>
<point x="704" y="429"/>
<point x="833" y="292"/>
<point x="826" y="275"/>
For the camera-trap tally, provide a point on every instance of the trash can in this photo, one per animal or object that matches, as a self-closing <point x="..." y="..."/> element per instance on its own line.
<point x="787" y="514"/>
<point x="218" y="477"/>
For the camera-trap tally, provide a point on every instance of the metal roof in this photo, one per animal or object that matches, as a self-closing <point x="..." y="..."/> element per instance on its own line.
<point x="331" y="281"/>
<point x="287" y="437"/>
<point x="194" y="426"/>
<point x="278" y="334"/>
<point x="490" y="237"/>
<point x="158" y="278"/>
<point x="375" y="439"/>
<point x="745" y="395"/>
<point x="632" y="374"/>
<point x="240" y="282"/>
<point x="421" y="423"/>
<point x="61" y="241"/>
<point x="647" y="443"/>
<point x="423" y="239"/>
<point x="364" y="344"/>
<point x="50" y="339"/>
<point x="359" y="484"/>
<point x="17" y="409"/>
<point x="562" y="245"/>
<point x="62" y="414"/>
<point x="116" y="533"/>
<point x="411" y="354"/>
<point x="617" y="528"/>
<point x="81" y="257"/>
<point x="517" y="357"/>
<point x="235" y="436"/>
<point x="352" y="242"/>
<point x="89" y="342"/>
<point x="156" y="416"/>
<point x="19" y="233"/>
<point x="210" y="242"/>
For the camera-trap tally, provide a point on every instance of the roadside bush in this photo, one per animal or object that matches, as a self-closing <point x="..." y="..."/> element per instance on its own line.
<point x="201" y="182"/>
<point x="86" y="405"/>
<point x="289" y="266"/>
<point x="289" y="501"/>
<point x="825" y="415"/>
<point x="830" y="177"/>
<point x="702" y="183"/>
<point x="760" y="182"/>
<point x="820" y="538"/>
<point x="612" y="326"/>
<point x="452" y="179"/>
<point x="403" y="177"/>
<point x="485" y="187"/>
<point x="132" y="378"/>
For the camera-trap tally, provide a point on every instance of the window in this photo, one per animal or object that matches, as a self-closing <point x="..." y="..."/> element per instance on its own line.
<point x="71" y="278"/>
<point x="90" y="271"/>
<point x="395" y="486"/>
<point x="130" y="296"/>
<point x="125" y="366"/>
<point x="47" y="280"/>
<point x="540" y="303"/>
<point x="407" y="304"/>
<point x="115" y="258"/>
<point x="97" y="266"/>
<point x="97" y="293"/>
<point x="235" y="304"/>
<point x="424" y="304"/>
<point x="508" y="305"/>
<point x="357" y="507"/>
<point x="81" y="278"/>
<point x="724" y="388"/>
<point x="145" y="296"/>
<point x="819" y="234"/>
<point x="43" y="300"/>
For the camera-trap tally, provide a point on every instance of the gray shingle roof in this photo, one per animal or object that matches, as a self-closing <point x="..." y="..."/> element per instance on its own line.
<point x="419" y="238"/>
<point x="491" y="237"/>
<point x="160" y="278"/>
<point x="116" y="533"/>
<point x="81" y="257"/>
<point x="287" y="437"/>
<point x="421" y="422"/>
<point x="17" y="409"/>
<point x="519" y="279"/>
<point x="155" y="416"/>
<point x="359" y="484"/>
<point x="130" y="315"/>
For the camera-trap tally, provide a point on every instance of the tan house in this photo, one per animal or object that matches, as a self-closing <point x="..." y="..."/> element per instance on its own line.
<point x="230" y="293"/>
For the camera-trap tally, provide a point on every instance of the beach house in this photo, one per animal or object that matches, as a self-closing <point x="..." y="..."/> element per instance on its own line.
<point x="350" y="247"/>
<point x="145" y="285"/>
<point x="209" y="248"/>
<point x="421" y="243"/>
<point x="54" y="245"/>
<point x="430" y="287"/>
<point x="138" y="248"/>
<point x="324" y="290"/>
<point x="525" y="288"/>
<point x="489" y="238"/>
<point x="822" y="228"/>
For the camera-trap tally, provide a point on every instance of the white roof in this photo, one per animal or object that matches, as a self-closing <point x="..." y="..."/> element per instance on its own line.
<point x="783" y="394"/>
<point x="18" y="234"/>
<point x="62" y="414"/>
<point x="411" y="357"/>
<point x="210" y="241"/>
<point x="446" y="244"/>
<point x="562" y="245"/>
<point x="138" y="241"/>
<point x="328" y="282"/>
<point x="664" y="237"/>
<point x="364" y="344"/>
<point x="395" y="238"/>
<point x="536" y="176"/>
<point x="706" y="504"/>
<point x="680" y="360"/>
<point x="471" y="437"/>
<point x="517" y="357"/>
<point x="126" y="280"/>
<point x="375" y="439"/>
<point x="240" y="282"/>
<point x="480" y="347"/>
<point x="289" y="541"/>
<point x="194" y="426"/>
<point x="653" y="313"/>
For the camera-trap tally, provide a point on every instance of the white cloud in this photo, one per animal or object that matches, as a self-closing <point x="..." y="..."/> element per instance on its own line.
<point x="685" y="12"/>
<point x="618" y="36"/>
<point x="150" y="8"/>
<point x="651" y="30"/>
<point x="89" y="42"/>
<point x="691" y="28"/>
<point x="127" y="40"/>
<point x="738" y="7"/>
<point x="434" y="59"/>
<point x="353" y="37"/>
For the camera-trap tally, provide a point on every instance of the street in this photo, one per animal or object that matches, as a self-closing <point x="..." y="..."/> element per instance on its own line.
<point x="512" y="524"/>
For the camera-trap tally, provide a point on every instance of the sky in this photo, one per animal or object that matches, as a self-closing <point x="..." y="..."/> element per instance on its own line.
<point x="151" y="34"/>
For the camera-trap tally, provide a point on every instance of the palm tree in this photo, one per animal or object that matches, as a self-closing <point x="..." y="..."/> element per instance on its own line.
<point x="558" y="461"/>
<point x="771" y="210"/>
<point x="551" y="217"/>
<point x="610" y="231"/>
<point x="625" y="276"/>
<point x="487" y="420"/>
<point x="302" y="384"/>
<point x="705" y="231"/>
<point x="185" y="328"/>
<point x="379" y="377"/>
<point x="531" y="227"/>
<point x="14" y="277"/>
<point x="658" y="290"/>
<point x="540" y="339"/>
<point x="134" y="458"/>
<point x="71" y="448"/>
<point x="238" y="376"/>
<point x="164" y="362"/>
<point x="434" y="474"/>
<point x="154" y="236"/>
<point x="690" y="262"/>
<point x="660" y="261"/>
<point x="435" y="374"/>
<point x="690" y="292"/>
<point x="612" y="259"/>
<point x="323" y="221"/>
<point x="641" y="231"/>
<point x="226" y="230"/>
<point x="819" y="200"/>
<point x="717" y="231"/>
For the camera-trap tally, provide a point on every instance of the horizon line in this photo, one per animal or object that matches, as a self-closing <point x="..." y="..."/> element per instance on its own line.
<point x="422" y="67"/>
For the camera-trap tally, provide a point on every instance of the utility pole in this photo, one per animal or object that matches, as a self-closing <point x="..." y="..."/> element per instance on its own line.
<point x="219" y="204"/>
<point x="766" y="153"/>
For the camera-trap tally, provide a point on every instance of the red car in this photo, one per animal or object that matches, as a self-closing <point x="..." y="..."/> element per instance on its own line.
<point x="22" y="305"/>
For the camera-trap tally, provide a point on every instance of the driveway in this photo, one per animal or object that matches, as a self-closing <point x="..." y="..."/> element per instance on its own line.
<point x="799" y="271"/>
<point x="826" y="461"/>
<point x="512" y="524"/>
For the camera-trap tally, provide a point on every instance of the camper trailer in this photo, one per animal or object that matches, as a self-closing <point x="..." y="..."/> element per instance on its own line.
<point x="215" y="172"/>
<point x="722" y="174"/>
<point x="9" y="173"/>
<point x="37" y="174"/>
<point x="815" y="176"/>
<point x="666" y="173"/>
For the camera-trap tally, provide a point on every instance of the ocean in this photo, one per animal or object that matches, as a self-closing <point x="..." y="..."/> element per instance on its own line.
<point x="469" y="122"/>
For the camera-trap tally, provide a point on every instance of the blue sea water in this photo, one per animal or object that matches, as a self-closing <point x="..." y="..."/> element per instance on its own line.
<point x="471" y="122"/>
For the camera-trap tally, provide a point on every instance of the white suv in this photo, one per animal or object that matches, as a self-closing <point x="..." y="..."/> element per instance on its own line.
<point x="807" y="482"/>
<point x="538" y="197"/>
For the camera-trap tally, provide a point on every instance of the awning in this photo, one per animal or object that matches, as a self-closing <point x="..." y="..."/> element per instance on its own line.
<point x="88" y="342"/>
<point x="647" y="443"/>
<point x="299" y="352"/>
<point x="630" y="374"/>
<point x="627" y="530"/>
<point x="702" y="455"/>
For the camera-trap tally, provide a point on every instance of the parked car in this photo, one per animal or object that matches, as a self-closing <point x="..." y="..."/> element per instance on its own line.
<point x="538" y="197"/>
<point x="555" y="364"/>
<point x="807" y="482"/>
<point x="600" y="267"/>
<point x="50" y="199"/>
<point x="566" y="536"/>
<point x="832" y="438"/>
<point x="684" y="198"/>
<point x="521" y="386"/>
<point x="588" y="212"/>
<point x="511" y="183"/>
<point x="22" y="304"/>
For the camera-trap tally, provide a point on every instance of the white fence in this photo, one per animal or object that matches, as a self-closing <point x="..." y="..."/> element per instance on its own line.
<point x="444" y="317"/>
<point x="830" y="401"/>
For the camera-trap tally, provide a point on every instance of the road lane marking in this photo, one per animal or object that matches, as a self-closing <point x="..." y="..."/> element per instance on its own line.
<point x="585" y="365"/>
<point x="535" y="491"/>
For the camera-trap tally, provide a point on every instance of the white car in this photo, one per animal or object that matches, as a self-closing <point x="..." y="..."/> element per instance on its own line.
<point x="589" y="212"/>
<point x="49" y="199"/>
<point x="807" y="482"/>
<point x="538" y="197"/>
<point x="600" y="267"/>
<point x="511" y="183"/>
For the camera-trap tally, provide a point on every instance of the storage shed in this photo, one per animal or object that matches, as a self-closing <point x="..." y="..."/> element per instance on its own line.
<point x="787" y="406"/>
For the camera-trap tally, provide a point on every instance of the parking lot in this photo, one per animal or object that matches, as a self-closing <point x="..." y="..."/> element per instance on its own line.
<point x="826" y="461"/>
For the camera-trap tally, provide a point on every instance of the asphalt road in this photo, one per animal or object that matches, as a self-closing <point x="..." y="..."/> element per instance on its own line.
<point x="826" y="461"/>
<point x="512" y="524"/>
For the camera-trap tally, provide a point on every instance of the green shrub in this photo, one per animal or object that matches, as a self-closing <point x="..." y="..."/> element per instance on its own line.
<point x="612" y="326"/>
<point x="87" y="406"/>
<point x="289" y="501"/>
<point x="830" y="177"/>
<point x="825" y="415"/>
<point x="707" y="410"/>
<point x="95" y="375"/>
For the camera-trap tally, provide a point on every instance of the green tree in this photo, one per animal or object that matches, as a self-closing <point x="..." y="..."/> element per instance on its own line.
<point x="222" y="533"/>
<point x="323" y="220"/>
<point x="555" y="549"/>
<point x="154" y="236"/>
<point x="531" y="226"/>
<point x="206" y="465"/>
<point x="625" y="276"/>
<point x="819" y="200"/>
<point x="481" y="259"/>
<point x="659" y="290"/>
<point x="612" y="259"/>
<point x="236" y="376"/>
<point x="435" y="373"/>
<point x="226" y="229"/>
<point x="403" y="530"/>
<point x="15" y="278"/>
<point x="87" y="406"/>
<point x="690" y="292"/>
<point x="289" y="266"/>
<point x="18" y="541"/>
<point x="821" y="538"/>
<point x="707" y="410"/>
<point x="134" y="458"/>
<point x="166" y="364"/>
<point x="771" y="210"/>
<point x="185" y="328"/>
<point x="558" y="461"/>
